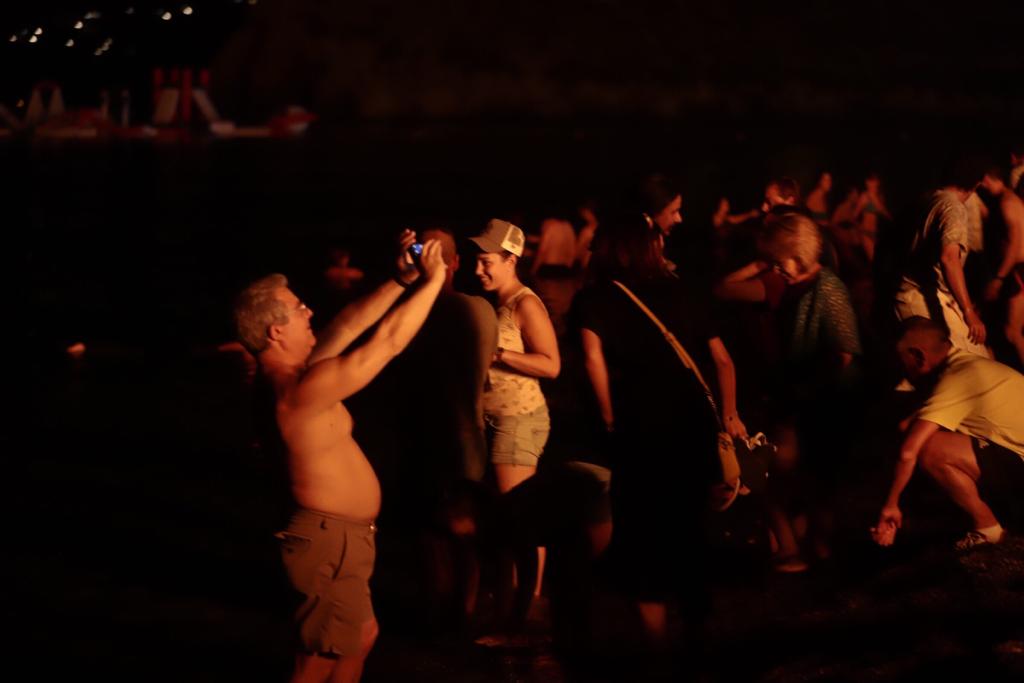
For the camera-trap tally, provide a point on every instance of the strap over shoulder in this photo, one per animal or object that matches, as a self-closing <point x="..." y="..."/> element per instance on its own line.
<point x="676" y="346"/>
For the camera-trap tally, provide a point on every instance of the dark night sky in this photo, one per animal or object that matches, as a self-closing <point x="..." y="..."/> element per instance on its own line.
<point x="457" y="58"/>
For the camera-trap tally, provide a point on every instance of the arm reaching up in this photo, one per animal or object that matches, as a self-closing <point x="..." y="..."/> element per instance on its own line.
<point x="335" y="378"/>
<point x="358" y="316"/>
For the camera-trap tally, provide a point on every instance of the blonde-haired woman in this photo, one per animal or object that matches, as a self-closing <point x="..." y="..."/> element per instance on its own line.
<point x="808" y="395"/>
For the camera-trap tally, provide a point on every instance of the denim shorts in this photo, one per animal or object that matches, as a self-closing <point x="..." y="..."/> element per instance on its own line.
<point x="518" y="439"/>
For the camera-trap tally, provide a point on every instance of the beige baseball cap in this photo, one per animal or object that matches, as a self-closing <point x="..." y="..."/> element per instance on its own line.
<point x="500" y="235"/>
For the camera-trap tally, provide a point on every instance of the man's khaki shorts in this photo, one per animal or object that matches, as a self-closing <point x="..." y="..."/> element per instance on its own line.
<point x="329" y="561"/>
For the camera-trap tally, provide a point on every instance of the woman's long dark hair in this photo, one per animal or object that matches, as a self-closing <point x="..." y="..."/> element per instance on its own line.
<point x="655" y="193"/>
<point x="625" y="247"/>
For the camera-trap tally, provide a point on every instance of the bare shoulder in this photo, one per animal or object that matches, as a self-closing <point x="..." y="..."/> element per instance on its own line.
<point x="529" y="309"/>
<point x="531" y="305"/>
<point x="1013" y="205"/>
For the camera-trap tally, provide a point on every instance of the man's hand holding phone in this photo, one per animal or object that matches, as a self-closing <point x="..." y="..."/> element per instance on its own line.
<point x="431" y="261"/>
<point x="408" y="273"/>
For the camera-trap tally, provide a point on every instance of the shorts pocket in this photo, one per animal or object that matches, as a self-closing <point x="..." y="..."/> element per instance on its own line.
<point x="293" y="544"/>
<point x="298" y="560"/>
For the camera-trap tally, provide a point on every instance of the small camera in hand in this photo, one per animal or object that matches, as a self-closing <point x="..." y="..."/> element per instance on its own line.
<point x="416" y="250"/>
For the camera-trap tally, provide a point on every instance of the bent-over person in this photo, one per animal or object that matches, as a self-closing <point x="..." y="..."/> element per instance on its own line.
<point x="968" y="436"/>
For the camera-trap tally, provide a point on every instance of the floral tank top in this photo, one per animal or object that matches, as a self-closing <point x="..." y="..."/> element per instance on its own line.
<point x="508" y="392"/>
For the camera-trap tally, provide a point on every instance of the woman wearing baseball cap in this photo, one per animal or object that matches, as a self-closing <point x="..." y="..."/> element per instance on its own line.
<point x="514" y="406"/>
<point x="515" y="411"/>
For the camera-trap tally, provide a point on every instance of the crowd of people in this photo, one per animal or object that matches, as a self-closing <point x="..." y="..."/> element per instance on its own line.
<point x="784" y="322"/>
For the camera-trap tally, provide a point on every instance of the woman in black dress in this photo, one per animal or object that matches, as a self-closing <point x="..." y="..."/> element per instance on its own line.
<point x="660" y="427"/>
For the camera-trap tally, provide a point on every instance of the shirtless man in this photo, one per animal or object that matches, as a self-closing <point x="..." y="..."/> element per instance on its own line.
<point x="1017" y="170"/>
<point x="1009" y="276"/>
<point x="328" y="548"/>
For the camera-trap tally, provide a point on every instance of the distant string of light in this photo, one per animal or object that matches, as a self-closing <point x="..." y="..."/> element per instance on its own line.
<point x="90" y="23"/>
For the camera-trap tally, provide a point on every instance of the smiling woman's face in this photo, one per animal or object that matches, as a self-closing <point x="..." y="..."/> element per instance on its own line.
<point x="494" y="270"/>
<point x="670" y="217"/>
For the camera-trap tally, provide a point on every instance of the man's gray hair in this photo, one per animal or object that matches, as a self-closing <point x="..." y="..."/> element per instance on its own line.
<point x="257" y="308"/>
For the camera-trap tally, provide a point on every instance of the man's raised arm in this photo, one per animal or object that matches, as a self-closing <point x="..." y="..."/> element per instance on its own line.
<point x="333" y="379"/>
<point x="359" y="315"/>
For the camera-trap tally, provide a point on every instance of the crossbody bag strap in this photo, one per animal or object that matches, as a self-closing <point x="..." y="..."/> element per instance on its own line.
<point x="676" y="346"/>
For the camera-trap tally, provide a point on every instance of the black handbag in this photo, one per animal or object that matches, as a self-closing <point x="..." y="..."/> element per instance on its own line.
<point x="742" y="469"/>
